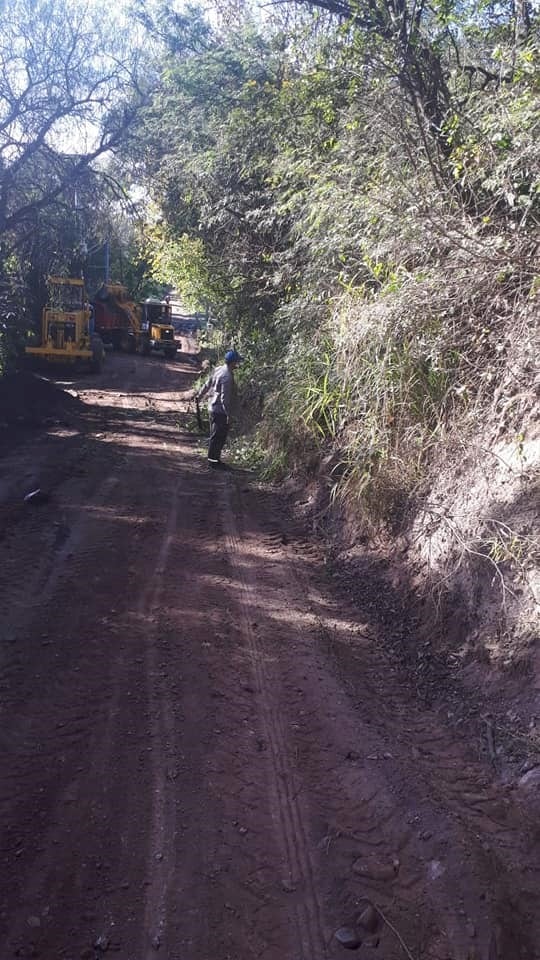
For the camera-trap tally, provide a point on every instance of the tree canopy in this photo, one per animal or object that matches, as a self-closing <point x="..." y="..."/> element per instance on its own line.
<point x="71" y="87"/>
<point x="348" y="188"/>
<point x="353" y="189"/>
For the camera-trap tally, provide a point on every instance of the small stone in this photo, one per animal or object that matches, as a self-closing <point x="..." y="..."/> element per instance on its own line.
<point x="471" y="929"/>
<point x="373" y="869"/>
<point x="102" y="943"/>
<point x="348" y="938"/>
<point x="436" y="869"/>
<point x="36" y="496"/>
<point x="530" y="780"/>
<point x="369" y="919"/>
<point x="156" y="943"/>
<point x="34" y="922"/>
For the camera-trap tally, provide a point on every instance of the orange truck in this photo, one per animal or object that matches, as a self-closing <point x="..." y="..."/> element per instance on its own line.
<point x="133" y="327"/>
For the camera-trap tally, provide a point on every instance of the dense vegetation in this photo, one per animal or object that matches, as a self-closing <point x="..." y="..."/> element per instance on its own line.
<point x="70" y="90"/>
<point x="353" y="188"/>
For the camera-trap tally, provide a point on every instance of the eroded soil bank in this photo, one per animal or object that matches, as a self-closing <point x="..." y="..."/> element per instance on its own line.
<point x="209" y="753"/>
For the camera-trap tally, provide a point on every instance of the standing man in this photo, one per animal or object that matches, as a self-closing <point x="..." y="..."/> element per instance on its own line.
<point x="221" y="391"/>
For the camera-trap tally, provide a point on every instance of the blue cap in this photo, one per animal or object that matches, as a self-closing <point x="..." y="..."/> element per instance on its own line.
<point x="232" y="356"/>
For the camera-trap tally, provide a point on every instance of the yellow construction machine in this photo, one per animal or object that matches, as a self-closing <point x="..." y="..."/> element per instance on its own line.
<point x="133" y="327"/>
<point x="156" y="322"/>
<point x="67" y="336"/>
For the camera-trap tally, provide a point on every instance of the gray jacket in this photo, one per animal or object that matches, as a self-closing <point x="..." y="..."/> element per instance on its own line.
<point x="221" y="391"/>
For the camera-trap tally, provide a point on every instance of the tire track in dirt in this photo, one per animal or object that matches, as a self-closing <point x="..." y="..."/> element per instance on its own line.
<point x="394" y="829"/>
<point x="70" y="714"/>
<point x="256" y="768"/>
<point x="453" y="795"/>
<point x="162" y="830"/>
<point x="289" y="815"/>
<point x="24" y="601"/>
<point x="62" y="734"/>
<point x="225" y="874"/>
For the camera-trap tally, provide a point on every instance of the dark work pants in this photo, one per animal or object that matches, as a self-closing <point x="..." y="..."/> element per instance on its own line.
<point x="219" y="429"/>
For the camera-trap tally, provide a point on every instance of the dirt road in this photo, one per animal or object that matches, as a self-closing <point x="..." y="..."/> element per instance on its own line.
<point x="206" y="755"/>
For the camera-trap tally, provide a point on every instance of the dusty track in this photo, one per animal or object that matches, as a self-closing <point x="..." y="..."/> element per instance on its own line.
<point x="206" y="757"/>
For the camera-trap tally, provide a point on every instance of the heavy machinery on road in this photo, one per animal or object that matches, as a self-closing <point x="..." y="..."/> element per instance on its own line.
<point x="116" y="318"/>
<point x="133" y="327"/>
<point x="156" y="320"/>
<point x="67" y="334"/>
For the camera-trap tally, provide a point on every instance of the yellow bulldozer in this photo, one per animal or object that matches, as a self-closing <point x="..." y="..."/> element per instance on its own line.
<point x="67" y="336"/>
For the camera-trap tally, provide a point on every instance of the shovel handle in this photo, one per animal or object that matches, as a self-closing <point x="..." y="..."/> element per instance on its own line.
<point x="198" y="412"/>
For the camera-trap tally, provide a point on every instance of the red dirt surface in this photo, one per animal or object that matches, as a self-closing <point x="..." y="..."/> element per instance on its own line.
<point x="29" y="402"/>
<point x="207" y="753"/>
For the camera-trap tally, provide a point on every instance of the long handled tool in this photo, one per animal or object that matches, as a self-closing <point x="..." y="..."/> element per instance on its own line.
<point x="198" y="415"/>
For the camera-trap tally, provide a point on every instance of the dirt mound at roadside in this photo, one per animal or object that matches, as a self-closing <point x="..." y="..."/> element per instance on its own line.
<point x="29" y="400"/>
